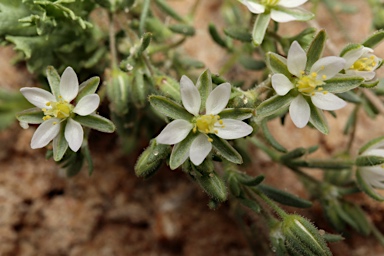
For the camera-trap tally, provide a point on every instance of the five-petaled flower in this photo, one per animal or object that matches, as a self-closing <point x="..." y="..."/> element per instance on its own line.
<point x="281" y="10"/>
<point x="373" y="175"/>
<point x="308" y="84"/>
<point x="205" y="123"/>
<point x="58" y="111"/>
<point x="361" y="62"/>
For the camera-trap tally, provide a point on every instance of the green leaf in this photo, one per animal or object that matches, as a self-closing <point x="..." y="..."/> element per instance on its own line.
<point x="342" y="84"/>
<point x="225" y="150"/>
<point x="250" y="204"/>
<point x="54" y="81"/>
<point x="273" y="105"/>
<point x="180" y="151"/>
<point x="371" y="144"/>
<point x="277" y="64"/>
<point x="143" y="16"/>
<point x="233" y="184"/>
<point x="182" y="29"/>
<point x="315" y="49"/>
<point x="250" y="181"/>
<point x="169" y="108"/>
<point x="370" y="84"/>
<point x="317" y="119"/>
<point x="236" y="113"/>
<point x="10" y="13"/>
<point x="74" y="166"/>
<point x="213" y="185"/>
<point x="293" y="154"/>
<point x="350" y="97"/>
<point x="332" y="238"/>
<point x="268" y="135"/>
<point x="366" y="188"/>
<point x="88" y="87"/>
<point x="374" y="39"/>
<point x="60" y="145"/>
<point x="216" y="36"/>
<point x="96" y="122"/>
<point x="369" y="160"/>
<point x="260" y="27"/>
<point x="87" y="154"/>
<point x="357" y="218"/>
<point x="204" y="85"/>
<point x="284" y="197"/>
<point x="31" y="116"/>
<point x="144" y="42"/>
<point x="239" y="34"/>
<point x="168" y="10"/>
<point x="348" y="48"/>
<point x="251" y="64"/>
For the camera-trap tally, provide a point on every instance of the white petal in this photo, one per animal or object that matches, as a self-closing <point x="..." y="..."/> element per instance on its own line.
<point x="218" y="99"/>
<point x="174" y="132"/>
<point x="254" y="7"/>
<point x="232" y="129"/>
<point x="87" y="105"/>
<point x="74" y="134"/>
<point x="200" y="148"/>
<point x="367" y="75"/>
<point x="37" y="96"/>
<point x="291" y="3"/>
<point x="281" y="84"/>
<point x="299" y="111"/>
<point x="190" y="96"/>
<point x="45" y="133"/>
<point x="328" y="66"/>
<point x="327" y="101"/>
<point x="297" y="59"/>
<point x="279" y="16"/>
<point x="351" y="56"/>
<point x="69" y="85"/>
<point x="375" y="152"/>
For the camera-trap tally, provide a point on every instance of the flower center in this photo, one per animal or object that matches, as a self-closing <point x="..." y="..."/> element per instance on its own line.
<point x="206" y="124"/>
<point x="364" y="64"/>
<point x="307" y="84"/>
<point x="270" y="3"/>
<point x="61" y="109"/>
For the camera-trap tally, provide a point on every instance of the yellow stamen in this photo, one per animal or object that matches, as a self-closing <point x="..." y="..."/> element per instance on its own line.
<point x="364" y="64"/>
<point x="206" y="123"/>
<point x="61" y="109"/>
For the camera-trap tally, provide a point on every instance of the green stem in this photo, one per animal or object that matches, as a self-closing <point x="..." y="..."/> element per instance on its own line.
<point x="271" y="153"/>
<point x="270" y="203"/>
<point x="353" y="127"/>
<point x="112" y="40"/>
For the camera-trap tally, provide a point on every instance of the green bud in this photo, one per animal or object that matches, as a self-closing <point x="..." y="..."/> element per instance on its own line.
<point x="302" y="237"/>
<point x="118" y="91"/>
<point x="168" y="86"/>
<point x="151" y="159"/>
<point x="213" y="185"/>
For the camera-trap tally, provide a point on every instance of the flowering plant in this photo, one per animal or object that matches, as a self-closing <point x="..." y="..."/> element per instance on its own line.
<point x="215" y="128"/>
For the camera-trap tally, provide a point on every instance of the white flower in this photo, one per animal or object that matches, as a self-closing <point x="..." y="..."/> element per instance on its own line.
<point x="373" y="175"/>
<point x="361" y="62"/>
<point x="58" y="111"/>
<point x="204" y="123"/>
<point x="275" y="7"/>
<point x="308" y="85"/>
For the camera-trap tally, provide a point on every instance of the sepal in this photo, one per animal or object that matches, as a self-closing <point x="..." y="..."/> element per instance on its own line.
<point x="96" y="122"/>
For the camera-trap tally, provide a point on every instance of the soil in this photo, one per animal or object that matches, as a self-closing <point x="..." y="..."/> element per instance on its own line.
<point x="114" y="213"/>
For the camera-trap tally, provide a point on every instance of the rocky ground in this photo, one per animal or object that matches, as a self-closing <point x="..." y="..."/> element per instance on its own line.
<point x="114" y="213"/>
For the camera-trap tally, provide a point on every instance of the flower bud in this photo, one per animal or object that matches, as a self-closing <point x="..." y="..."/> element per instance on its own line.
<point x="151" y="159"/>
<point x="118" y="91"/>
<point x="302" y="237"/>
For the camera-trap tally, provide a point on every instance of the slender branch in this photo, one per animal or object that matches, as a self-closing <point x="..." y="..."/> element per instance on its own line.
<point x="112" y="41"/>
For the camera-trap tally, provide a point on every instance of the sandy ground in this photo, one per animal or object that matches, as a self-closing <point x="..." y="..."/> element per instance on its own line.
<point x="114" y="213"/>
